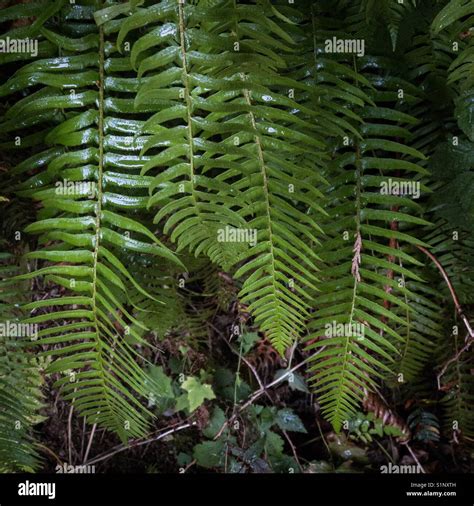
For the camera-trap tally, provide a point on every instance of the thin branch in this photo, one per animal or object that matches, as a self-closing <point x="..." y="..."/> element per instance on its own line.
<point x="262" y="387"/>
<point x="69" y="433"/>
<point x="89" y="444"/>
<point x="451" y="289"/>
<point x="455" y="358"/>
<point x="245" y="361"/>
<point x="293" y="449"/>
<point x="415" y="458"/>
<point x="135" y="444"/>
<point x="259" y="393"/>
<point x="191" y="464"/>
<point x="470" y="336"/>
<point x="324" y="440"/>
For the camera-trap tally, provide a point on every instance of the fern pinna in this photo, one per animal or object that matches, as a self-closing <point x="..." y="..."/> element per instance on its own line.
<point x="147" y="131"/>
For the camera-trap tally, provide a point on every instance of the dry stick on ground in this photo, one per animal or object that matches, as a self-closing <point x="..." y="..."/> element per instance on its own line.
<point x="90" y="443"/>
<point x="135" y="444"/>
<point x="69" y="433"/>
<point x="262" y="387"/>
<point x="262" y="391"/>
<point x="470" y="336"/>
<point x="415" y="458"/>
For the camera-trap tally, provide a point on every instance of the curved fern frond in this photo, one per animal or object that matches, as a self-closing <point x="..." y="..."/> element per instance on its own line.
<point x="20" y="396"/>
<point x="235" y="150"/>
<point x="458" y="18"/>
<point x="86" y="179"/>
<point x="366" y="296"/>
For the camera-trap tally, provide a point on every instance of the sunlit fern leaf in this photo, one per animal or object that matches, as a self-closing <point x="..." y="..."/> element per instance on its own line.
<point x="193" y="204"/>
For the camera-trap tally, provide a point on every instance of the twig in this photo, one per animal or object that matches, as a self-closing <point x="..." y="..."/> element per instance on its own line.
<point x="83" y="437"/>
<point x="191" y="464"/>
<point x="262" y="387"/>
<point x="415" y="458"/>
<point x="89" y="444"/>
<point x="453" y="359"/>
<point x="69" y="433"/>
<point x="470" y="336"/>
<point x="135" y="444"/>
<point x="293" y="449"/>
<point x="292" y="353"/>
<point x="390" y="458"/>
<point x="451" y="289"/>
<point x="247" y="363"/>
<point x="324" y="440"/>
<point x="259" y="393"/>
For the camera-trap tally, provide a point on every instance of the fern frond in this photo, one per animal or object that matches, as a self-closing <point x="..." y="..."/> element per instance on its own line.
<point x="368" y="252"/>
<point x="92" y="145"/>
<point x="235" y="155"/>
<point x="20" y="395"/>
<point x="458" y="383"/>
<point x="457" y="17"/>
<point x="453" y="247"/>
<point x="389" y="13"/>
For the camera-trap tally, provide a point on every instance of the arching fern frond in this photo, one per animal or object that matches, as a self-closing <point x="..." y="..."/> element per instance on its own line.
<point x="236" y="151"/>
<point x="20" y="396"/>
<point x="366" y="297"/>
<point x="86" y="179"/>
<point x="457" y="17"/>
